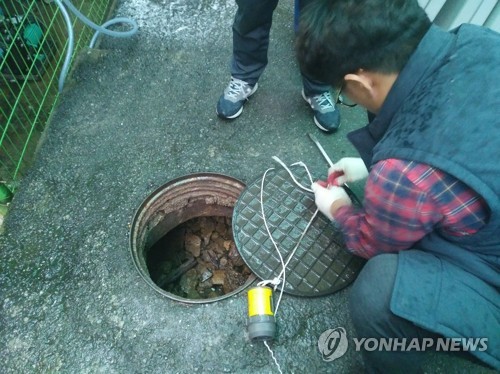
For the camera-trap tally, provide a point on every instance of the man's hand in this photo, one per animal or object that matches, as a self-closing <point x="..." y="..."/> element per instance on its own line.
<point x="328" y="200"/>
<point x="347" y="169"/>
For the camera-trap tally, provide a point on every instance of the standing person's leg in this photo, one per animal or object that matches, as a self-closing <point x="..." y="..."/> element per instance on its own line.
<point x="318" y="95"/>
<point x="251" y="28"/>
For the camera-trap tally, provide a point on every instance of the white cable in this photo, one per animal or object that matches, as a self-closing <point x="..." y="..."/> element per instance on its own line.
<point x="276" y="281"/>
<point x="272" y="355"/>
<point x="292" y="176"/>
<point x="300" y="163"/>
<point x="281" y="278"/>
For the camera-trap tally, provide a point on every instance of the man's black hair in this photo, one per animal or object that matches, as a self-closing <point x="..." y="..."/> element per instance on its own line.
<point x="338" y="37"/>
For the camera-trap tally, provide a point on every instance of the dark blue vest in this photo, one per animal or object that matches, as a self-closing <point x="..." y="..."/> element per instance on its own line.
<point x="444" y="110"/>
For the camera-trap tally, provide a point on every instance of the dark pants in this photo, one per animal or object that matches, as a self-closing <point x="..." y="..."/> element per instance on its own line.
<point x="251" y="28"/>
<point x="369" y="304"/>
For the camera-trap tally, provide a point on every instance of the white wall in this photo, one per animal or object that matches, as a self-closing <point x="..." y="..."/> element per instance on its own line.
<point x="452" y="13"/>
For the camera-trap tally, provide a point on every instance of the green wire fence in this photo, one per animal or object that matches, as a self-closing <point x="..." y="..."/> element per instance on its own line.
<point x="33" y="43"/>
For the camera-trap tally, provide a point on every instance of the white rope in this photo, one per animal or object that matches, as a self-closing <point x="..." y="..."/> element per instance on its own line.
<point x="292" y="176"/>
<point x="272" y="355"/>
<point x="277" y="280"/>
<point x="281" y="278"/>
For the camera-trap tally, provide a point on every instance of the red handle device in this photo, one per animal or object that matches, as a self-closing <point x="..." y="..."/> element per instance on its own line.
<point x="331" y="179"/>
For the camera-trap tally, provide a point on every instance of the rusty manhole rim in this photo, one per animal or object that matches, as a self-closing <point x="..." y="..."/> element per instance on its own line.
<point x="182" y="198"/>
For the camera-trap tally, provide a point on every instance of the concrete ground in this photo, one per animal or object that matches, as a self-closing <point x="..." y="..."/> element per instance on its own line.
<point x="134" y="115"/>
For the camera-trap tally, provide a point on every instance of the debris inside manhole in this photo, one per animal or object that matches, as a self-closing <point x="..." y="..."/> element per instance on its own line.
<point x="198" y="259"/>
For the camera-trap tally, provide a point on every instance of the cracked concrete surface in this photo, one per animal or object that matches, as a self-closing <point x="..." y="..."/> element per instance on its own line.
<point x="135" y="114"/>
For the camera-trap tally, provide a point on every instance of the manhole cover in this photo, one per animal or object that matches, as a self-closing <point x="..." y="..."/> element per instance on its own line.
<point x="181" y="239"/>
<point x="321" y="264"/>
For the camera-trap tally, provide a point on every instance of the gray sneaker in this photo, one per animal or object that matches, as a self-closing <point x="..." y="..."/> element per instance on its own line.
<point x="230" y="104"/>
<point x="326" y="115"/>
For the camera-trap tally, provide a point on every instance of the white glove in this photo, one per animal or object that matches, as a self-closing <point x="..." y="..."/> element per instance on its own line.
<point x="324" y="197"/>
<point x="353" y="169"/>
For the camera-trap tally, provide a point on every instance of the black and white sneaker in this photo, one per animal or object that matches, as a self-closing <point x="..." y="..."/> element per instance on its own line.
<point x="326" y="114"/>
<point x="230" y="104"/>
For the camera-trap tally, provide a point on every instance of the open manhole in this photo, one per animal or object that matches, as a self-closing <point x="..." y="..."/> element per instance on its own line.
<point x="182" y="241"/>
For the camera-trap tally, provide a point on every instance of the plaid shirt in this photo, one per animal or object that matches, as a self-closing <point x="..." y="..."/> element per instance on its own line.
<point x="406" y="200"/>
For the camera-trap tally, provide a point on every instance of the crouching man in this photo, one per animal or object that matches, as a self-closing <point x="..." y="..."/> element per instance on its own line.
<point x="430" y="222"/>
